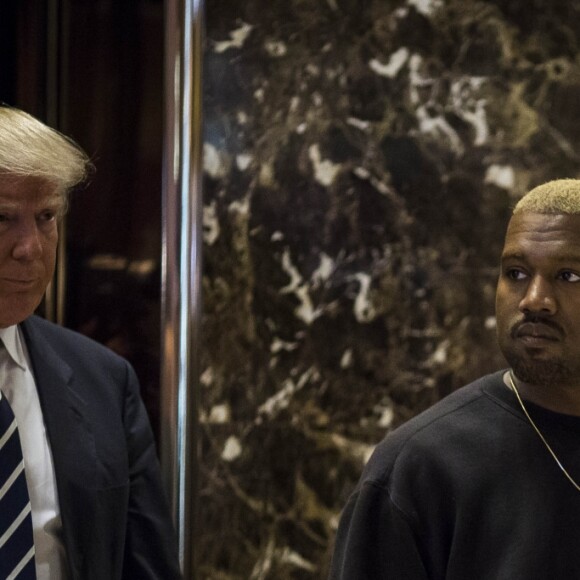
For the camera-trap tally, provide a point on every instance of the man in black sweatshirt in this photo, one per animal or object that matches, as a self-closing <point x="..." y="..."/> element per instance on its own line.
<point x="486" y="483"/>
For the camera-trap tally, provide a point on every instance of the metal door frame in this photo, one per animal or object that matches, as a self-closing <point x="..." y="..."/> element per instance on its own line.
<point x="181" y="266"/>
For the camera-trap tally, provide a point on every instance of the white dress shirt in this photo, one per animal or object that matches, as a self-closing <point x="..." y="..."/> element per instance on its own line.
<point x="18" y="385"/>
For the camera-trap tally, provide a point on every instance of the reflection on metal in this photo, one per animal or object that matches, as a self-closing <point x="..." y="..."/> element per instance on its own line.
<point x="181" y="254"/>
<point x="60" y="279"/>
<point x="57" y="26"/>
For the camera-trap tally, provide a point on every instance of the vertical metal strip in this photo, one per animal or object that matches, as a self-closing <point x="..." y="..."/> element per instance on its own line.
<point x="52" y="87"/>
<point x="63" y="125"/>
<point x="181" y="265"/>
<point x="57" y="19"/>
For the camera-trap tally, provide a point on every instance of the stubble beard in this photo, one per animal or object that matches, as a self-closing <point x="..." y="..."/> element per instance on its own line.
<point x="534" y="366"/>
<point x="544" y="373"/>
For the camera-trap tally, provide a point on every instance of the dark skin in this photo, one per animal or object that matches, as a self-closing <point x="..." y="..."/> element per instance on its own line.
<point x="538" y="308"/>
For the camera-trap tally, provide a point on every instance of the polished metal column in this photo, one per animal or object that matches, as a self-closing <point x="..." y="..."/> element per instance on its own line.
<point x="181" y="270"/>
<point x="57" y="36"/>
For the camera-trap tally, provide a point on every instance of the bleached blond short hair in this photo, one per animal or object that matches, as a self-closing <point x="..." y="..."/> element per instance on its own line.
<point x="29" y="148"/>
<point x="558" y="196"/>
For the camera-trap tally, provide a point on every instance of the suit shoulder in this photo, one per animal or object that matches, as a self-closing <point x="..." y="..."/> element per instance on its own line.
<point x="66" y="340"/>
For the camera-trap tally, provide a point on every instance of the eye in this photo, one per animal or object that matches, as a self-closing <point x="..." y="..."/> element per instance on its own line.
<point x="515" y="274"/>
<point x="47" y="216"/>
<point x="5" y="219"/>
<point x="569" y="276"/>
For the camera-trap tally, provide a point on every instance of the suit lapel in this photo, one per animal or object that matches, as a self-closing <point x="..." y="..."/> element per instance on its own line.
<point x="71" y="441"/>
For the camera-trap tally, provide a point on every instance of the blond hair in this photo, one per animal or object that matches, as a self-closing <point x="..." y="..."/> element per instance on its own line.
<point x="29" y="148"/>
<point x="558" y="196"/>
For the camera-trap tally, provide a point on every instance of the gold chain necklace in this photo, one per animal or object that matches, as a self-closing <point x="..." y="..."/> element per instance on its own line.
<point x="514" y="389"/>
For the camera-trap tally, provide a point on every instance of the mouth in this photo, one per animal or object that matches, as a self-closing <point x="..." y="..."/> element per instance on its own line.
<point x="535" y="333"/>
<point x="20" y="282"/>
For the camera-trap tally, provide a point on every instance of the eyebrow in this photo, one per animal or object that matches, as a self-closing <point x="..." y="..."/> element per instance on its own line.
<point x="55" y="202"/>
<point x="567" y="257"/>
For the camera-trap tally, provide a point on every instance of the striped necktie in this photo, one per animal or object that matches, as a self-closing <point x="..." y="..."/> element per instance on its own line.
<point x="16" y="543"/>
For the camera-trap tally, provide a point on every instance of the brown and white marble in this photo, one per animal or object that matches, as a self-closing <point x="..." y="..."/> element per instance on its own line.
<point x="361" y="159"/>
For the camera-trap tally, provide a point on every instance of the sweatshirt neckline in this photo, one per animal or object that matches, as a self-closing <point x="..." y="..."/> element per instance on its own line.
<point x="499" y="390"/>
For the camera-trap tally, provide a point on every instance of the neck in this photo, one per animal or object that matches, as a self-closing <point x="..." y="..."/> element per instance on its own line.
<point x="563" y="399"/>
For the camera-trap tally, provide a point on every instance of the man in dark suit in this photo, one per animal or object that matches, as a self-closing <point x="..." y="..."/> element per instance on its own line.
<point x="97" y="506"/>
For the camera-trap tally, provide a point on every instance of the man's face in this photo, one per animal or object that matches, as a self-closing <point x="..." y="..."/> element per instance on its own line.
<point x="538" y="299"/>
<point x="29" y="209"/>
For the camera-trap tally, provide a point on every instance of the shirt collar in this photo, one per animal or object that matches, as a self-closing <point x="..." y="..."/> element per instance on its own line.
<point x="13" y="343"/>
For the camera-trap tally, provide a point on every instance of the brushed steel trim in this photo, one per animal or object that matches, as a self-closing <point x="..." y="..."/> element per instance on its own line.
<point x="181" y="266"/>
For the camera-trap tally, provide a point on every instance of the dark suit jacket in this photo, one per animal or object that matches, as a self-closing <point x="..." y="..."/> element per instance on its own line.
<point x="114" y="512"/>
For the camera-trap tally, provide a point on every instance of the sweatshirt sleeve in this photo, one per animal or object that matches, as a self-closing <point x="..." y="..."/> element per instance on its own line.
<point x="375" y="541"/>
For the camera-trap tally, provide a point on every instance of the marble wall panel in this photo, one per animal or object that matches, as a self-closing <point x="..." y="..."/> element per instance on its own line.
<point x="361" y="159"/>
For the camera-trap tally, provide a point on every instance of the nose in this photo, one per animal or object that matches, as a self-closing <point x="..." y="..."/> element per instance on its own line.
<point x="27" y="244"/>
<point x="539" y="297"/>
